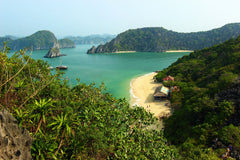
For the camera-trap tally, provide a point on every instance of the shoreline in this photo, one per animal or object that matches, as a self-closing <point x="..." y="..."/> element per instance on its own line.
<point x="170" y="51"/>
<point x="125" y="52"/>
<point x="142" y="89"/>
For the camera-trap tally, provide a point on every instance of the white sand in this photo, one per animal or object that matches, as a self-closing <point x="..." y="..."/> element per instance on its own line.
<point x="142" y="90"/>
<point x="125" y="52"/>
<point x="179" y="51"/>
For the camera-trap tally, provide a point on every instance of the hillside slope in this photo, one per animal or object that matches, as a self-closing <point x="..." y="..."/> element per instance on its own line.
<point x="41" y="40"/>
<point x="66" y="43"/>
<point x="206" y="106"/>
<point x="160" y="39"/>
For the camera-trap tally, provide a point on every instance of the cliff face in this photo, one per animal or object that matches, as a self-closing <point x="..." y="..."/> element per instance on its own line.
<point x="160" y="39"/>
<point x="54" y="52"/>
<point x="109" y="47"/>
<point x="15" y="143"/>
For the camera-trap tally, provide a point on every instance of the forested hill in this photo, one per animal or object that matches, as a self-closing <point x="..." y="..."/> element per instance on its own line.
<point x="160" y="39"/>
<point x="37" y="41"/>
<point x="206" y="104"/>
<point x="66" y="43"/>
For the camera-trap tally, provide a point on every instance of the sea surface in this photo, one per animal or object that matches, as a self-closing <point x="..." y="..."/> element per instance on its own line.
<point x="115" y="70"/>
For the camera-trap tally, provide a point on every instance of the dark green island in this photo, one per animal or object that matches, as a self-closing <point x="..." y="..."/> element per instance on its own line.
<point x="159" y="39"/>
<point x="41" y="40"/>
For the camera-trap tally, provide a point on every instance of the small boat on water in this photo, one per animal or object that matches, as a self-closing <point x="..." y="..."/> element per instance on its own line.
<point x="50" y="67"/>
<point x="61" y="67"/>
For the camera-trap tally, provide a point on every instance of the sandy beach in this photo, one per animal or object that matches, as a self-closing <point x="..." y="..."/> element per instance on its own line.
<point x="179" y="51"/>
<point x="142" y="89"/>
<point x="125" y="52"/>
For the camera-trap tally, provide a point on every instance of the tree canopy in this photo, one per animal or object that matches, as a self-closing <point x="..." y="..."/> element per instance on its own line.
<point x="207" y="102"/>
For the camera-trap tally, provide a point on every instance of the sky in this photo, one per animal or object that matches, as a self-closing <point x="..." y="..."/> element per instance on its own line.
<point x="87" y="17"/>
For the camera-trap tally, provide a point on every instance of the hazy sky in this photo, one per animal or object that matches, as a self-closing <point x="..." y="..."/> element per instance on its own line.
<point x="85" y="17"/>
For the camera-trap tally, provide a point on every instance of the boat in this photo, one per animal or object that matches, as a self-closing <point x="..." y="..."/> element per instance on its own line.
<point x="50" y="67"/>
<point x="61" y="67"/>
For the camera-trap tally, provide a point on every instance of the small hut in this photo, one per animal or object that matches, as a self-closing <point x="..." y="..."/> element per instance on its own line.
<point x="161" y="93"/>
<point x="168" y="78"/>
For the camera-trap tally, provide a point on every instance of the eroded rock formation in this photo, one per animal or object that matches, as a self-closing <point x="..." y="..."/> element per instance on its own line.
<point x="15" y="142"/>
<point x="54" y="52"/>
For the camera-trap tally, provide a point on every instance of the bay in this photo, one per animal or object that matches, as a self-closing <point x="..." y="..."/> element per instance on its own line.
<point x="115" y="70"/>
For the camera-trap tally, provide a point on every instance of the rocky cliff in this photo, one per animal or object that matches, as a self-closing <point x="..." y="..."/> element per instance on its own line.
<point x="15" y="143"/>
<point x="54" y="52"/>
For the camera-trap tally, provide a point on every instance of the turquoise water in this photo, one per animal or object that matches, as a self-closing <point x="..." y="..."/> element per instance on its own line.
<point x="116" y="70"/>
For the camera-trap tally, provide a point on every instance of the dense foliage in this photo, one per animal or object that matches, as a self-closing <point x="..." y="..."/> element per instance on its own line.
<point x="4" y="39"/>
<point x="37" y="41"/>
<point x="207" y="106"/>
<point x="160" y="39"/>
<point x="82" y="122"/>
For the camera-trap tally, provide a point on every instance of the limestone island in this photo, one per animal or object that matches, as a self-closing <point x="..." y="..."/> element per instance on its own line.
<point x="54" y="52"/>
<point x="159" y="39"/>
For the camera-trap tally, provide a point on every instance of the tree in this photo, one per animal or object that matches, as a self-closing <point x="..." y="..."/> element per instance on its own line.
<point x="63" y="124"/>
<point x="40" y="109"/>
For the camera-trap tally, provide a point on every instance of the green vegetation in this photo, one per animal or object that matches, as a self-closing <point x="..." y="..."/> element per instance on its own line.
<point x="207" y="105"/>
<point x="41" y="40"/>
<point x="83" y="122"/>
<point x="37" y="41"/>
<point x="66" y="43"/>
<point x="4" y="39"/>
<point x="160" y="39"/>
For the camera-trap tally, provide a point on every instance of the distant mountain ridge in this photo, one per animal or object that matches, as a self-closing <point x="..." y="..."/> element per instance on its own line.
<point x="66" y="43"/>
<point x="159" y="39"/>
<point x="41" y="40"/>
<point x="91" y="39"/>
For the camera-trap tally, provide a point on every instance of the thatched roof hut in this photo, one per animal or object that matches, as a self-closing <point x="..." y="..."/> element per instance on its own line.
<point x="161" y="93"/>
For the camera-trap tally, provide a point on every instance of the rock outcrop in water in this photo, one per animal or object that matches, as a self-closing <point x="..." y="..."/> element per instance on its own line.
<point x="54" y="52"/>
<point x="92" y="50"/>
<point x="15" y="143"/>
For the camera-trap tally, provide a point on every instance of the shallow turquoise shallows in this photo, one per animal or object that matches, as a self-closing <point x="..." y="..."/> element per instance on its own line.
<point x="116" y="70"/>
